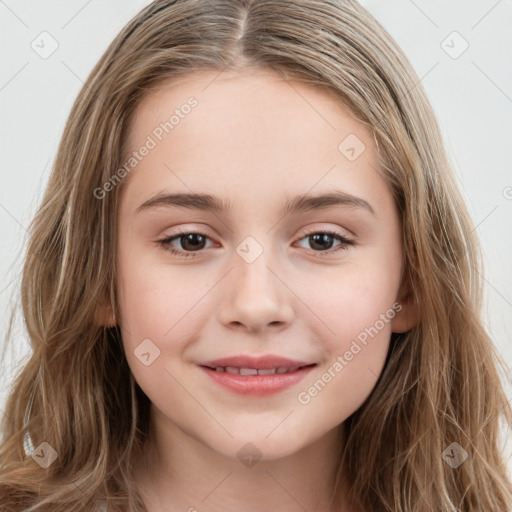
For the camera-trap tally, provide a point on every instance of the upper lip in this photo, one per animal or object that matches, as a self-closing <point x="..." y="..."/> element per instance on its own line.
<point x="258" y="363"/>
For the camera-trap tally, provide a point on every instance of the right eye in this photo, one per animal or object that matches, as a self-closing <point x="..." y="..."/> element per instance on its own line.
<point x="191" y="242"/>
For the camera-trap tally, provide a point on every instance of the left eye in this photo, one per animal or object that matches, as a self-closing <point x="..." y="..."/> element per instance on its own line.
<point x="321" y="239"/>
<point x="192" y="242"/>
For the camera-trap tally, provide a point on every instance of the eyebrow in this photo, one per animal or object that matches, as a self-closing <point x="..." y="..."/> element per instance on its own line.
<point x="296" y="204"/>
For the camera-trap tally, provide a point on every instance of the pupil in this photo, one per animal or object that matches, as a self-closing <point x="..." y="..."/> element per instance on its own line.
<point x="195" y="239"/>
<point x="319" y="239"/>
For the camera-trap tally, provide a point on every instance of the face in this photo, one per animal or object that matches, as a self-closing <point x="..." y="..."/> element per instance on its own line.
<point x="294" y="253"/>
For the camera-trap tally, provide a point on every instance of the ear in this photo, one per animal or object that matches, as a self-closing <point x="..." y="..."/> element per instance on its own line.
<point x="408" y="315"/>
<point x="104" y="315"/>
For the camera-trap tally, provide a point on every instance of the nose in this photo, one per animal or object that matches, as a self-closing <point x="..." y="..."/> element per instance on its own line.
<point x="255" y="297"/>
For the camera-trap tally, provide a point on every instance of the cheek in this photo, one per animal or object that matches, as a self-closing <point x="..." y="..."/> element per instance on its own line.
<point x="157" y="304"/>
<point x="156" y="301"/>
<point x="351" y="298"/>
<point x="355" y="303"/>
<point x="357" y="307"/>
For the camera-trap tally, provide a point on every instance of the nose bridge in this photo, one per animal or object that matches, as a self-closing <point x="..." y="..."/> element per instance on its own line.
<point x="255" y="296"/>
<point x="252" y="269"/>
<point x="254" y="281"/>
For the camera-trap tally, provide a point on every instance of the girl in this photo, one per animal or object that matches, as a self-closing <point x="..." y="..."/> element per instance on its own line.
<point x="252" y="283"/>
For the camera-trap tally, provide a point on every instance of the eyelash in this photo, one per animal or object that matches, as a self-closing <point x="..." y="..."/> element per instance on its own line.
<point x="165" y="243"/>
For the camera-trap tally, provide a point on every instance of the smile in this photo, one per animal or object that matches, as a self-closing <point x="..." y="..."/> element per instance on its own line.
<point x="234" y="370"/>
<point x="256" y="382"/>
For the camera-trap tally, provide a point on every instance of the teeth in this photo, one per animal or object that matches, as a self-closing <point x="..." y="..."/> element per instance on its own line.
<point x="267" y="371"/>
<point x="248" y="371"/>
<point x="286" y="370"/>
<point x="253" y="371"/>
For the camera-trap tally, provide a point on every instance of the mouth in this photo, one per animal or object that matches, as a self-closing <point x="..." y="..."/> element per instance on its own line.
<point x="235" y="370"/>
<point x="256" y="382"/>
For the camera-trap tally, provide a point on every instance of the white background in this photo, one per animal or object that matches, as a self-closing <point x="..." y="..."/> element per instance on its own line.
<point x="472" y="96"/>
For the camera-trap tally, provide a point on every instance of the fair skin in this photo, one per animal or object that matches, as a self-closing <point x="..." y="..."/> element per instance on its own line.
<point x="256" y="141"/>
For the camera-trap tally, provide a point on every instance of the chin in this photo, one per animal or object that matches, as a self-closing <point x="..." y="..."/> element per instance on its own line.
<point x="258" y="448"/>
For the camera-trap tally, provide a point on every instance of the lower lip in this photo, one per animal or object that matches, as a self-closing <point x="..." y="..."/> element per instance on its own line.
<point x="257" y="385"/>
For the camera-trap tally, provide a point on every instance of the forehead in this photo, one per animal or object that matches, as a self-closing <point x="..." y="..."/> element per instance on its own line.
<point x="250" y="106"/>
<point x="248" y="132"/>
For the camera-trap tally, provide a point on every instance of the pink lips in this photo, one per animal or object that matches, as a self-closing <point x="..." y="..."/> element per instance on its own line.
<point x="252" y="383"/>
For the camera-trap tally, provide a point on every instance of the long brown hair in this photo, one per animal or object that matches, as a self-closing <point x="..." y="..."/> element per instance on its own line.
<point x="440" y="384"/>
